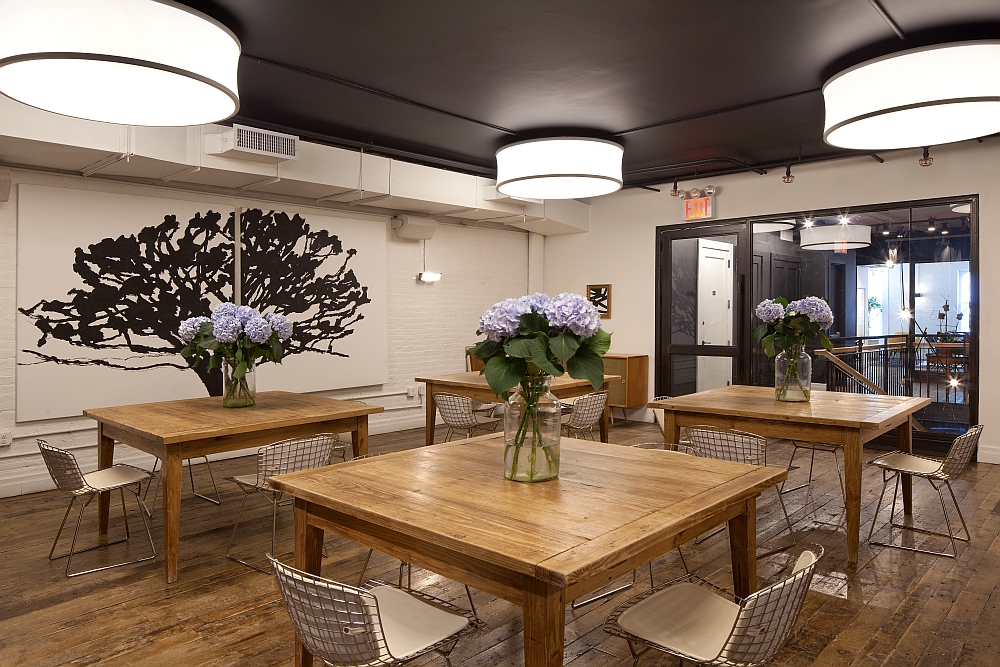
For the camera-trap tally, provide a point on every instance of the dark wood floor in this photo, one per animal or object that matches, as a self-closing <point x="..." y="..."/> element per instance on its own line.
<point x="897" y="609"/>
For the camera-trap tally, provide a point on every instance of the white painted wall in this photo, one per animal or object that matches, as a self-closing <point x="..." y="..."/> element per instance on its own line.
<point x="429" y="325"/>
<point x="619" y="248"/>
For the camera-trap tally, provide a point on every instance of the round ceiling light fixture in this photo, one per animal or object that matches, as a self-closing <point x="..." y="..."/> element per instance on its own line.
<point x="772" y="226"/>
<point x="920" y="97"/>
<point x="835" y="237"/>
<point x="559" y="168"/>
<point x="133" y="62"/>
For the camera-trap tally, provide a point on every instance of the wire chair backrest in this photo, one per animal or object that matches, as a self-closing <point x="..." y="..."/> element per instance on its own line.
<point x="767" y="617"/>
<point x="681" y="449"/>
<point x="587" y="410"/>
<point x="960" y="453"/>
<point x="336" y="623"/>
<point x="63" y="468"/>
<point x="456" y="411"/>
<point x="293" y="455"/>
<point x="725" y="444"/>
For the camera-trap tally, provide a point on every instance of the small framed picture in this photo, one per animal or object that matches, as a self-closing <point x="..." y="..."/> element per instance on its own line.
<point x="600" y="296"/>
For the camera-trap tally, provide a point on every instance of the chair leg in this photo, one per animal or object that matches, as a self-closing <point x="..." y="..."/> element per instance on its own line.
<point x="878" y="506"/>
<point x="683" y="562"/>
<point x="156" y="491"/>
<point x="208" y="466"/>
<point x="576" y="604"/>
<point x="364" y="568"/>
<point x="72" y="501"/>
<point x="472" y="605"/>
<point x="968" y="535"/>
<point x="233" y="537"/>
<point x="72" y="549"/>
<point x="781" y="501"/>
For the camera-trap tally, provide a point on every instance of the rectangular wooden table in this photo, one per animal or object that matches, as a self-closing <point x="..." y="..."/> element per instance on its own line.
<point x="448" y="508"/>
<point x="179" y="430"/>
<point x="833" y="418"/>
<point x="474" y="385"/>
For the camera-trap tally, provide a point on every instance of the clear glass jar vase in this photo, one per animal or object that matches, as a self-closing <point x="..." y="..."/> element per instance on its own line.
<point x="238" y="392"/>
<point x="532" y="428"/>
<point x="792" y="376"/>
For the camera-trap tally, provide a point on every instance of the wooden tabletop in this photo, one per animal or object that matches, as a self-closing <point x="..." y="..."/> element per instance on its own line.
<point x="198" y="418"/>
<point x="832" y="408"/>
<point x="609" y="503"/>
<point x="474" y="380"/>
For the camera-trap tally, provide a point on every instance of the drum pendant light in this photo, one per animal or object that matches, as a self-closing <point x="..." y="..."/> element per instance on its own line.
<point x="835" y="237"/>
<point x="559" y="168"/>
<point x="134" y="62"/>
<point x="920" y="97"/>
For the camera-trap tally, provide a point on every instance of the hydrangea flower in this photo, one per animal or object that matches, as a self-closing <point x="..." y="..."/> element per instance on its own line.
<point x="257" y="329"/>
<point x="537" y="302"/>
<point x="573" y="312"/>
<point x="245" y="313"/>
<point x="501" y="320"/>
<point x="227" y="329"/>
<point x="815" y="308"/>
<point x="281" y="325"/>
<point x="189" y="328"/>
<point x="769" y="311"/>
<point x="224" y="310"/>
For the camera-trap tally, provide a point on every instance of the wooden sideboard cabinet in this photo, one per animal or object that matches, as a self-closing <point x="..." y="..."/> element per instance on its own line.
<point x="632" y="391"/>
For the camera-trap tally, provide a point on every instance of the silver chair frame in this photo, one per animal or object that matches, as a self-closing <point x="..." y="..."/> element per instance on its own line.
<point x="586" y="413"/>
<point x="813" y="447"/>
<point x="65" y="472"/>
<point x="156" y="488"/>
<point x="458" y="414"/>
<point x="954" y="464"/>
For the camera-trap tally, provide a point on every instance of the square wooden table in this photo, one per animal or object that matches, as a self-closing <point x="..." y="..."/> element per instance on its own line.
<point x="831" y="417"/>
<point x="179" y="430"/>
<point x="474" y="385"/>
<point x="448" y="508"/>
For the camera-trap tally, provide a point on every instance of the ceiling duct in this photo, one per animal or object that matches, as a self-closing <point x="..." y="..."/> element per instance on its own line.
<point x="250" y="143"/>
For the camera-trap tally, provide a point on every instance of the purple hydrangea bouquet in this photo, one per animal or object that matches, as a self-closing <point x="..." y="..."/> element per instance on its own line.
<point x="237" y="338"/>
<point x="528" y="341"/>
<point x="786" y="328"/>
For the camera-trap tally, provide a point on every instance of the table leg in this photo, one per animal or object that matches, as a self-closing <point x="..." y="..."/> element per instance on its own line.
<point x="604" y="424"/>
<point x="171" y="471"/>
<point x="359" y="437"/>
<point x="671" y="432"/>
<point x="544" y="609"/>
<point x="852" y="489"/>
<point x="308" y="558"/>
<point x="430" y="417"/>
<point x="105" y="459"/>
<point x="904" y="439"/>
<point x="743" y="545"/>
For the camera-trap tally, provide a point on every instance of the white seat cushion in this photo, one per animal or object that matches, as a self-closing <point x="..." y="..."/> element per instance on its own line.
<point x="687" y="618"/>
<point x="409" y="624"/>
<point x="115" y="476"/>
<point x="906" y="463"/>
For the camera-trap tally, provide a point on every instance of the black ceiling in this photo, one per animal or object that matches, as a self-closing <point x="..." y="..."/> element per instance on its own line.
<point x="447" y="82"/>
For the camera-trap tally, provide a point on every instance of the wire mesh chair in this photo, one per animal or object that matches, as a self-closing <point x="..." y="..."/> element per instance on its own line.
<point x="813" y="447"/>
<point x="379" y="624"/>
<point x="457" y="413"/>
<point x="587" y="412"/>
<point x="65" y="473"/>
<point x="696" y="621"/>
<point x="658" y="419"/>
<point x="944" y="470"/>
<point x="279" y="458"/>
<point x="156" y="487"/>
<point x="723" y="444"/>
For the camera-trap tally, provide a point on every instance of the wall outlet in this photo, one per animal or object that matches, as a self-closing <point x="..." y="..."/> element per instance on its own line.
<point x="6" y="439"/>
<point x="411" y="392"/>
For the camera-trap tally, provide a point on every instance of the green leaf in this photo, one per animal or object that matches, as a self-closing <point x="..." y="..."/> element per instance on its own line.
<point x="767" y="342"/>
<point x="564" y="346"/>
<point x="519" y="347"/>
<point x="214" y="361"/>
<point x="825" y="341"/>
<point x="587" y="365"/>
<point x="540" y="356"/>
<point x="759" y="332"/>
<point x="599" y="342"/>
<point x="782" y="300"/>
<point x="240" y="370"/>
<point x="532" y="323"/>
<point x="485" y="349"/>
<point x="503" y="373"/>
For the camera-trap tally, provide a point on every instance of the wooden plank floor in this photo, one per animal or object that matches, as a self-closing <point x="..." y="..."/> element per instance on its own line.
<point x="897" y="609"/>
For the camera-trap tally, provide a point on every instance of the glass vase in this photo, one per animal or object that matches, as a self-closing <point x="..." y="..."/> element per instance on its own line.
<point x="792" y="376"/>
<point x="532" y="428"/>
<point x="238" y="393"/>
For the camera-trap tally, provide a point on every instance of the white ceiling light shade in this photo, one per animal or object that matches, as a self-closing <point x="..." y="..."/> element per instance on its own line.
<point x="559" y="168"/>
<point x="134" y="62"/>
<point x="835" y="237"/>
<point x="772" y="226"/>
<point x="920" y="97"/>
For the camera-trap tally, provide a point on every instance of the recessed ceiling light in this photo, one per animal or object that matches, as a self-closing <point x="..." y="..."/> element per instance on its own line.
<point x="559" y="168"/>
<point x="134" y="62"/>
<point x="920" y="97"/>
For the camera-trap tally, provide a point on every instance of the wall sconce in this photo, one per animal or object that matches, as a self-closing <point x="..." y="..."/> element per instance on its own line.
<point x="428" y="277"/>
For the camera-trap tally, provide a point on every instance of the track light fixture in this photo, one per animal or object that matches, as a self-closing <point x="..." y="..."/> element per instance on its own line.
<point x="944" y="228"/>
<point x="926" y="160"/>
<point x="694" y="193"/>
<point x="675" y="192"/>
<point x="931" y="226"/>
<point x="900" y="232"/>
<point x="709" y="190"/>
<point x="788" y="178"/>
<point x="885" y="230"/>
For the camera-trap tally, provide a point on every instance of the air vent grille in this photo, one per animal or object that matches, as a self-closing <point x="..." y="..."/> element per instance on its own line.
<point x="265" y="142"/>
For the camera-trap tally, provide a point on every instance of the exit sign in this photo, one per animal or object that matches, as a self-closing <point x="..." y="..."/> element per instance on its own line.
<point x="698" y="209"/>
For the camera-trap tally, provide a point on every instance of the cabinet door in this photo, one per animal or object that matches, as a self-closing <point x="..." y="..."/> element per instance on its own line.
<point x="616" y="388"/>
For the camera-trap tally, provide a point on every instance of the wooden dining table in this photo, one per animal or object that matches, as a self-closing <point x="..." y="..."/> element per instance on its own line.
<point x="449" y="509"/>
<point x="830" y="417"/>
<point x="177" y="430"/>
<point x="474" y="386"/>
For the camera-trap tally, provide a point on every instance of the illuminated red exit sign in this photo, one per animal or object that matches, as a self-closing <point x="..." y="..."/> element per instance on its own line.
<point x="698" y="209"/>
